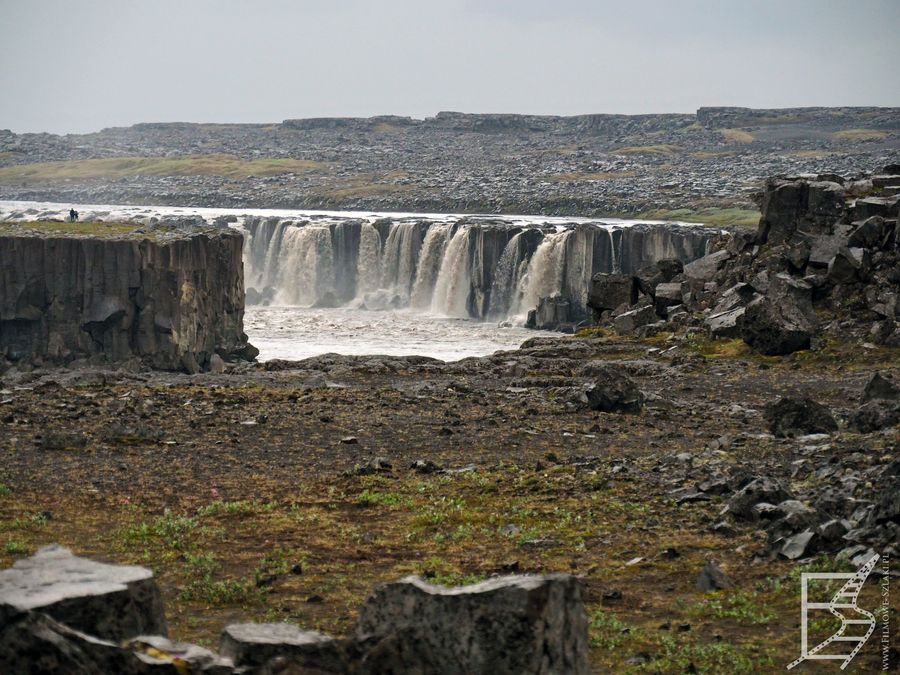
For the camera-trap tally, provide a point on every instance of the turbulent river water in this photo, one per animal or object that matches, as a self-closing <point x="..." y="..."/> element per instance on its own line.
<point x="447" y="286"/>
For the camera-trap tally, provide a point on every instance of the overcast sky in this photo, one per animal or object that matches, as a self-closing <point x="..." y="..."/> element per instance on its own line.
<point x="77" y="66"/>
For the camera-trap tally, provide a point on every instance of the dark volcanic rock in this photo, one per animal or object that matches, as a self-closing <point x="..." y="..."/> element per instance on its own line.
<point x="113" y="602"/>
<point x="798" y="416"/>
<point x="172" y="301"/>
<point x="784" y="321"/>
<point x="613" y="392"/>
<point x="760" y="490"/>
<point x="609" y="291"/>
<point x="519" y="624"/>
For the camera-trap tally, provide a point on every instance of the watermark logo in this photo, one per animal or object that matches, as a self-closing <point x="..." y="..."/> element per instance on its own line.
<point x="856" y="624"/>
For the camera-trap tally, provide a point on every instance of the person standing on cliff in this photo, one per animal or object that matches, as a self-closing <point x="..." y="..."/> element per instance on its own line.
<point x="73" y="215"/>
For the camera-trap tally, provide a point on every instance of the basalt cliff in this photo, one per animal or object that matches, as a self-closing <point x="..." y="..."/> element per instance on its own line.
<point x="173" y="300"/>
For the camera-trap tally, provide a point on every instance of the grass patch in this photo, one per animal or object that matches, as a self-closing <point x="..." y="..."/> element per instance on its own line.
<point x="173" y="530"/>
<point x="707" y="216"/>
<point x="228" y="166"/>
<point x="859" y="135"/>
<point x="15" y="547"/>
<point x="662" y="149"/>
<point x="736" y="135"/>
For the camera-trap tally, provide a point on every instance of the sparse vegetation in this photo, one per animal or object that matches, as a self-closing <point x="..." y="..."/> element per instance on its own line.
<point x="860" y="135"/>
<point x="736" y="135"/>
<point x="708" y="216"/>
<point x="228" y="166"/>
<point x="662" y="149"/>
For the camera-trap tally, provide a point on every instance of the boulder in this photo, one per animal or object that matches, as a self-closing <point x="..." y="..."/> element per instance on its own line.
<point x="609" y="291"/>
<point x="792" y="206"/>
<point x="628" y="322"/>
<point x="705" y="268"/>
<point x="661" y="272"/>
<point x="886" y="207"/>
<point x="797" y="417"/>
<point x="873" y="233"/>
<point x="712" y="578"/>
<point x="667" y="295"/>
<point x="881" y="387"/>
<point x="255" y="644"/>
<point x="516" y="624"/>
<point x="724" y="324"/>
<point x="112" y="602"/>
<point x="849" y="265"/>
<point x="613" y="392"/>
<point x="875" y="415"/>
<point x="760" y="490"/>
<point x="550" y="314"/>
<point x="784" y="321"/>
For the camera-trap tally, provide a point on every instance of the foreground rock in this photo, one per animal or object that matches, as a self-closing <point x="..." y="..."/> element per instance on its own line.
<point x="112" y="602"/>
<point x="63" y="614"/>
<point x="522" y="624"/>
<point x="798" y="416"/>
<point x="172" y="300"/>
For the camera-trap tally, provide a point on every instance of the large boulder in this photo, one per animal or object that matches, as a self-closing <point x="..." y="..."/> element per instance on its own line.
<point x="790" y="207"/>
<point x="797" y="417"/>
<point x="628" y="322"/>
<point x="760" y="490"/>
<point x="609" y="291"/>
<point x="660" y="272"/>
<point x="784" y="321"/>
<point x="881" y="386"/>
<point x="517" y="624"/>
<point x="705" y="268"/>
<point x="111" y="602"/>
<point x="613" y="392"/>
<point x="550" y="314"/>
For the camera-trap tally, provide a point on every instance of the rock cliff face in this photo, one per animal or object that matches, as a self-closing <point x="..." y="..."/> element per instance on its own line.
<point x="824" y="262"/>
<point x="173" y="300"/>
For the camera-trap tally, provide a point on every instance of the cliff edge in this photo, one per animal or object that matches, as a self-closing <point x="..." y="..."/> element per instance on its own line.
<point x="172" y="299"/>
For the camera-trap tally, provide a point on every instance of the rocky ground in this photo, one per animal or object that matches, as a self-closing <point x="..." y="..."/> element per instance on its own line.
<point x="703" y="167"/>
<point x="286" y="491"/>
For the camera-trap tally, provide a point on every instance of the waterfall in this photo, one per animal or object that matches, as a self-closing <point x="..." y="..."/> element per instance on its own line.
<point x="511" y="267"/>
<point x="544" y="275"/>
<point x="453" y="285"/>
<point x="456" y="267"/>
<point x="429" y="266"/>
<point x="306" y="266"/>
<point x="368" y="264"/>
<point x="401" y="251"/>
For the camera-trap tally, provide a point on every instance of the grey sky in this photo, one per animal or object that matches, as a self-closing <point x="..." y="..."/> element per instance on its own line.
<point x="68" y="66"/>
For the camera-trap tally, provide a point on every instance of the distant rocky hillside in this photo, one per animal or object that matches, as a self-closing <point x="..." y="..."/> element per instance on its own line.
<point x="704" y="166"/>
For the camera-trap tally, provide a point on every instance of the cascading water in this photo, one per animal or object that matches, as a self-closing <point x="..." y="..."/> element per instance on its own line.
<point x="453" y="286"/>
<point x="306" y="265"/>
<point x="401" y="252"/>
<point x="429" y="266"/>
<point x="544" y="275"/>
<point x="368" y="265"/>
<point x="447" y="267"/>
